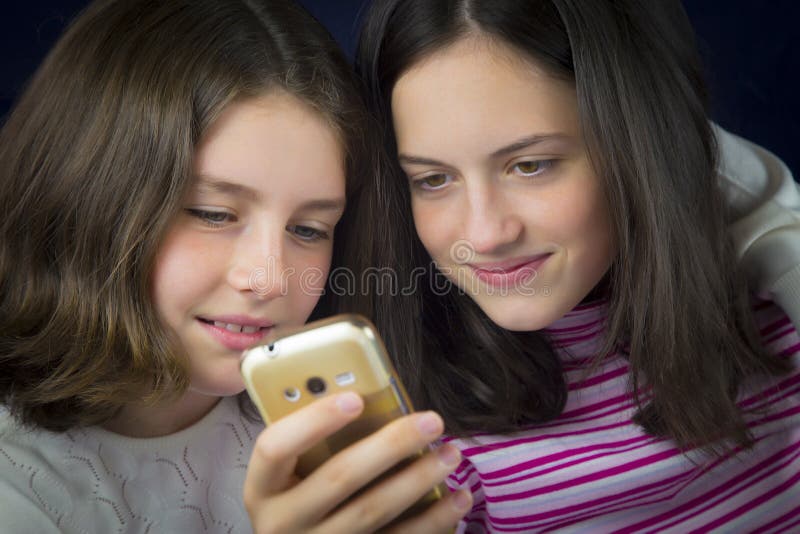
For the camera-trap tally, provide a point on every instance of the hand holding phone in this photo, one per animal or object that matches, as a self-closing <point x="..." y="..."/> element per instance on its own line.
<point x="321" y="463"/>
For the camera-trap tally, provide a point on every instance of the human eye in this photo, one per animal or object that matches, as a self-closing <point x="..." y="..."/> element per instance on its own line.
<point x="211" y="218"/>
<point x="531" y="168"/>
<point x="307" y="233"/>
<point x="432" y="182"/>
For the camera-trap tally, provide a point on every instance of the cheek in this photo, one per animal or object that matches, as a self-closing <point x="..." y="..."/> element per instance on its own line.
<point x="584" y="224"/>
<point x="190" y="253"/>
<point x="432" y="225"/>
<point x="183" y="269"/>
<point x="570" y="205"/>
<point x="310" y="272"/>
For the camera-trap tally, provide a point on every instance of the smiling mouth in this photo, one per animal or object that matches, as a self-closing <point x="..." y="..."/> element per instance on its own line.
<point x="509" y="274"/>
<point x="510" y="266"/>
<point x="235" y="328"/>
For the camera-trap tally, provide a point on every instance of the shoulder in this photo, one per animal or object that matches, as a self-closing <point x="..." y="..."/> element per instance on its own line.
<point x="32" y="495"/>
<point x="771" y="404"/>
<point x="780" y="337"/>
<point x="89" y="480"/>
<point x="25" y="452"/>
<point x="20" y="513"/>
<point x="778" y="334"/>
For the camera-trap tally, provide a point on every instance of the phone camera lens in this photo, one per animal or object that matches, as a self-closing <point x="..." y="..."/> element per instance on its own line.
<point x="316" y="385"/>
<point x="291" y="394"/>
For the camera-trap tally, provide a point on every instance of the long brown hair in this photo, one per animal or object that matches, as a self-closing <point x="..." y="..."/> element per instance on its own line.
<point x="95" y="160"/>
<point x="677" y="298"/>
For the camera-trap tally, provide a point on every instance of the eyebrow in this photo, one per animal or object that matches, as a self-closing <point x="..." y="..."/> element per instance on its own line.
<point x="207" y="184"/>
<point x="323" y="204"/>
<point x="524" y="142"/>
<point x="214" y="185"/>
<point x="528" y="141"/>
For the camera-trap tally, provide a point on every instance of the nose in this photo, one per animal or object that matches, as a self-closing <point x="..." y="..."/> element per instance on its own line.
<point x="491" y="221"/>
<point x="257" y="266"/>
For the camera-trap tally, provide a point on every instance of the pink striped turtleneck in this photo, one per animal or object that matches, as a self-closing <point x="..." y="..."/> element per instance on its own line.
<point x="594" y="470"/>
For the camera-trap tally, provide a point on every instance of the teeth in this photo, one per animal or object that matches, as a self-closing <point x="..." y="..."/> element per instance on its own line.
<point x="237" y="327"/>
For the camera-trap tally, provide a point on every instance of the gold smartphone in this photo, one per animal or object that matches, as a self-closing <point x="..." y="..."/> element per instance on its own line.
<point x="326" y="357"/>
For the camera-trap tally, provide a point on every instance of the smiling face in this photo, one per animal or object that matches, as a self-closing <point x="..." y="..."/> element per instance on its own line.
<point x="503" y="195"/>
<point x="252" y="247"/>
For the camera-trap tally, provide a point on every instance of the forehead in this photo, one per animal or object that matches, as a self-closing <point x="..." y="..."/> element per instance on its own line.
<point x="270" y="141"/>
<point x="480" y="85"/>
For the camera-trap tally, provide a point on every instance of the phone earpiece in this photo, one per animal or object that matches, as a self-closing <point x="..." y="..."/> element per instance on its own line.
<point x="344" y="379"/>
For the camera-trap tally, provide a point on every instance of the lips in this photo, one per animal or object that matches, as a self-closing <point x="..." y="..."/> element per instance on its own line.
<point x="237" y="327"/>
<point x="510" y="273"/>
<point x="236" y="332"/>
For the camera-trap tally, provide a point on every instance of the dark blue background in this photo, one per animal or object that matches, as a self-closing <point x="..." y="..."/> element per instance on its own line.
<point x="750" y="48"/>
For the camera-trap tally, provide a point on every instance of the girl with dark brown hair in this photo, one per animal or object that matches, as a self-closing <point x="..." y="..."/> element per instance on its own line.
<point x="598" y="357"/>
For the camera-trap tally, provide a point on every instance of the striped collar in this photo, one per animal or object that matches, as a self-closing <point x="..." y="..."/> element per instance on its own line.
<point x="578" y="335"/>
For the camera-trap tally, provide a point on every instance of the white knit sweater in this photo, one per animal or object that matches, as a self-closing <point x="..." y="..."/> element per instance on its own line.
<point x="92" y="480"/>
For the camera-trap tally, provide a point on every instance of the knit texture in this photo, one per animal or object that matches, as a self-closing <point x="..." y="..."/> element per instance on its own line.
<point x="92" y="480"/>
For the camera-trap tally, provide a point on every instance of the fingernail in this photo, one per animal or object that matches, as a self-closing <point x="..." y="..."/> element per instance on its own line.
<point x="449" y="455"/>
<point x="429" y="424"/>
<point x="462" y="500"/>
<point x="349" y="402"/>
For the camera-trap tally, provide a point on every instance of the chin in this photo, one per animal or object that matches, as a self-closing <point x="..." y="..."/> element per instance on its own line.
<point x="217" y="387"/>
<point x="523" y="314"/>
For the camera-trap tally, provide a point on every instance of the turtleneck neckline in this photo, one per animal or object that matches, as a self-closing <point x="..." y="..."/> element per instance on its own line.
<point x="578" y="335"/>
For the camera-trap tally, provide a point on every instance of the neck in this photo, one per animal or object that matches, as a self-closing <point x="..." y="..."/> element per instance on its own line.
<point x="145" y="420"/>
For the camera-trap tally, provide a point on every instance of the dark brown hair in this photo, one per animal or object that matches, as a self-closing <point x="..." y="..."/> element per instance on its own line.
<point x="677" y="299"/>
<point x="95" y="160"/>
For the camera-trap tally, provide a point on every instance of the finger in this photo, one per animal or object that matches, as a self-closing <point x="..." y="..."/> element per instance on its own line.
<point x="357" y="465"/>
<point x="276" y="450"/>
<point x="391" y="497"/>
<point x="441" y="517"/>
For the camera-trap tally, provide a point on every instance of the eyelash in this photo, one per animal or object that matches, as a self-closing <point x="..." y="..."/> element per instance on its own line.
<point x="317" y="235"/>
<point x="420" y="183"/>
<point x="545" y="164"/>
<point x="207" y="217"/>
